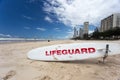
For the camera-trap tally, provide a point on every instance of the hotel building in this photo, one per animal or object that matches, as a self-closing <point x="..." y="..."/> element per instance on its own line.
<point x="110" y="22"/>
<point x="85" y="28"/>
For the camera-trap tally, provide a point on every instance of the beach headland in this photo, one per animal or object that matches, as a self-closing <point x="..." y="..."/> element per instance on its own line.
<point x="14" y="64"/>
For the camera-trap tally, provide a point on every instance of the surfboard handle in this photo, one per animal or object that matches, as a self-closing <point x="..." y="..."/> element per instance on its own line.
<point x="106" y="52"/>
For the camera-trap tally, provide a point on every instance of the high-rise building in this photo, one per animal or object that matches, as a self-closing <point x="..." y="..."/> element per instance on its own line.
<point x="81" y="33"/>
<point x="85" y="28"/>
<point x="110" y="22"/>
<point x="75" y="33"/>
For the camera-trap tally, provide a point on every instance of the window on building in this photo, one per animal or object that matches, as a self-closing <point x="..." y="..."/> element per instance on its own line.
<point x="118" y="22"/>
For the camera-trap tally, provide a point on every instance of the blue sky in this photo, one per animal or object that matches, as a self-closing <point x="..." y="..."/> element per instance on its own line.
<point x="51" y="18"/>
<point x="22" y="18"/>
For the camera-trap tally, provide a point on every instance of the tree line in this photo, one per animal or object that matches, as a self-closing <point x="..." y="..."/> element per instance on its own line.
<point x="110" y="34"/>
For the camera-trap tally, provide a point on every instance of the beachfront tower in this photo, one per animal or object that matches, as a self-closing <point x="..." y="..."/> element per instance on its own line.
<point x="75" y="32"/>
<point x="85" y="29"/>
<point x="110" y="22"/>
<point x="81" y="33"/>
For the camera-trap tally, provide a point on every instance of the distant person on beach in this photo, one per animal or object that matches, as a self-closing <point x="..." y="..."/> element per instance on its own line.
<point x="48" y="40"/>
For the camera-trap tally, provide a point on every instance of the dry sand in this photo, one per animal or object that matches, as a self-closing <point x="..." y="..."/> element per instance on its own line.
<point x="14" y="65"/>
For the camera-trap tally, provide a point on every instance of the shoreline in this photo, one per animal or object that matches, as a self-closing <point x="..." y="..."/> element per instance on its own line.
<point x="23" y="41"/>
<point x="19" y="41"/>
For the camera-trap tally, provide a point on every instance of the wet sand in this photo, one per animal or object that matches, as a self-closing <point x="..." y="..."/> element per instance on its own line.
<point x="14" y="65"/>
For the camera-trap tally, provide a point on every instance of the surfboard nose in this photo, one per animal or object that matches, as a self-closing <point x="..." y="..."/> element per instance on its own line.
<point x="29" y="54"/>
<point x="33" y="54"/>
<point x="36" y="54"/>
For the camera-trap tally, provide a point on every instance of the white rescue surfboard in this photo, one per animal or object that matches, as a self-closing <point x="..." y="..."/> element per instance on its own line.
<point x="73" y="51"/>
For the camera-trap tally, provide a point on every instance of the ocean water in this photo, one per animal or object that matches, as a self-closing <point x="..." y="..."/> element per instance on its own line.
<point x="18" y="40"/>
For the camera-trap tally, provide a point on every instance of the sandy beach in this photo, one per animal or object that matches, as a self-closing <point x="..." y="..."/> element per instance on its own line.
<point x="14" y="64"/>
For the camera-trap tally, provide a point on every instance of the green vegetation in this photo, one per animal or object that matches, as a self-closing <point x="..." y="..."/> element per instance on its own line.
<point x="109" y="34"/>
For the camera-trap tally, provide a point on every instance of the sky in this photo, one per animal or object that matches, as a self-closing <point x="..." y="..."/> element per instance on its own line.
<point x="52" y="19"/>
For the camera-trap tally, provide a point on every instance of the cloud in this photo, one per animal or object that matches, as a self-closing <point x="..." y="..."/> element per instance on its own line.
<point x="69" y="34"/>
<point x="48" y="19"/>
<point x="5" y="36"/>
<point x="27" y="17"/>
<point x="75" y="12"/>
<point x="27" y="28"/>
<point x="57" y="29"/>
<point x="33" y="1"/>
<point x="41" y="29"/>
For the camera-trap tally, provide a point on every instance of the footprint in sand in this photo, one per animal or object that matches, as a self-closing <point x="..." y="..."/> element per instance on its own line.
<point x="44" y="78"/>
<point x="9" y="75"/>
